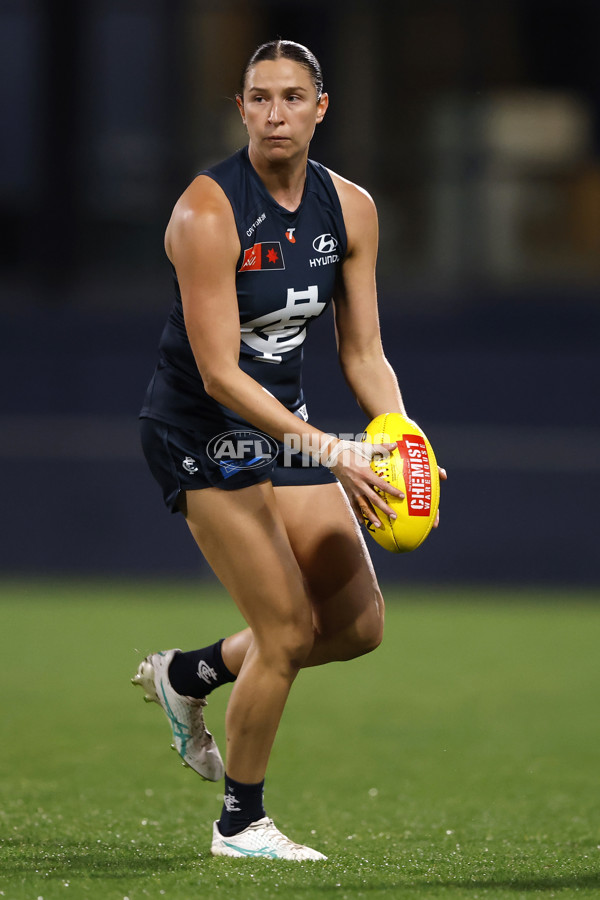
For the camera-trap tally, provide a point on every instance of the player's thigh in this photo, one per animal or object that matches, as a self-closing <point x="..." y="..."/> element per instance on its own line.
<point x="244" y="539"/>
<point x="331" y="552"/>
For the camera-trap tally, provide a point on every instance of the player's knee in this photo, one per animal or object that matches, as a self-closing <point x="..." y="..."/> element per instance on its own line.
<point x="374" y="638"/>
<point x="296" y="644"/>
<point x="288" y="648"/>
<point x="365" y="634"/>
<point x="364" y="640"/>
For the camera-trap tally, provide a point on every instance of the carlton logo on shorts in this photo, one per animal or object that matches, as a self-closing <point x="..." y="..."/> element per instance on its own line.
<point x="189" y="464"/>
<point x="233" y="451"/>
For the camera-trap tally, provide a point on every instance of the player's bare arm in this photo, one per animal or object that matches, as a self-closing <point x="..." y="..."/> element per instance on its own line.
<point x="362" y="358"/>
<point x="367" y="371"/>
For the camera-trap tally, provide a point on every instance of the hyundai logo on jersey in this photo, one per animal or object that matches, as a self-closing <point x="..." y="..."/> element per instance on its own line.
<point x="325" y="243"/>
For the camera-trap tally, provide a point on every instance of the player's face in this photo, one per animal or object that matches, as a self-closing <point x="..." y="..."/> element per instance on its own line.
<point x="280" y="109"/>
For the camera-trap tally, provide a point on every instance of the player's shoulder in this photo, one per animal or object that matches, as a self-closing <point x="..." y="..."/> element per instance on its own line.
<point x="201" y="211"/>
<point x="204" y="198"/>
<point x="353" y="195"/>
<point x="359" y="211"/>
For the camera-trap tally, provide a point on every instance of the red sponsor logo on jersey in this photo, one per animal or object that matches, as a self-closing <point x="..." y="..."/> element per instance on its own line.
<point x="417" y="474"/>
<point x="262" y="257"/>
<point x="290" y="235"/>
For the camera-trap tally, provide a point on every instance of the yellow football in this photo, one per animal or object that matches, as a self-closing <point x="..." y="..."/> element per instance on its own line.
<point x="412" y="468"/>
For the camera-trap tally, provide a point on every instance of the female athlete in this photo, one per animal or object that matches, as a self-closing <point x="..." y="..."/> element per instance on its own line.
<point x="260" y="244"/>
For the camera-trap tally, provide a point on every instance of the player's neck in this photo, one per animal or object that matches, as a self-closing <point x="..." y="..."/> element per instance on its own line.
<point x="283" y="180"/>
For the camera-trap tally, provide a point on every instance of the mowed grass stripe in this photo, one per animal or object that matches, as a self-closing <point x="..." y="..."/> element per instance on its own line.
<point x="458" y="760"/>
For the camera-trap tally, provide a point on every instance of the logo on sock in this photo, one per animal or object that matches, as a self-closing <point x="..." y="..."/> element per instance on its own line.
<point x="205" y="673"/>
<point x="230" y="802"/>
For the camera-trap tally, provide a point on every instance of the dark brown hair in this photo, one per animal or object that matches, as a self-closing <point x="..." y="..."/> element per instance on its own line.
<point x="280" y="49"/>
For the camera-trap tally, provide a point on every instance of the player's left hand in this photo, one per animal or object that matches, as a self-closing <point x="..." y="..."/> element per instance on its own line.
<point x="443" y="477"/>
<point x="350" y="461"/>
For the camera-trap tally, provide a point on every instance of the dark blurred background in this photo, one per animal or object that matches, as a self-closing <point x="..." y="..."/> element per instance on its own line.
<point x="476" y="127"/>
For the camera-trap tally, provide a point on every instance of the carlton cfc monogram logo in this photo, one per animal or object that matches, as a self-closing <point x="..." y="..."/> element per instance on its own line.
<point x="284" y="329"/>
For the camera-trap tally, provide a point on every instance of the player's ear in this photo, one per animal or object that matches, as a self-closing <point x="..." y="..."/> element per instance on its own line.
<point x="240" y="106"/>
<point x="322" y="107"/>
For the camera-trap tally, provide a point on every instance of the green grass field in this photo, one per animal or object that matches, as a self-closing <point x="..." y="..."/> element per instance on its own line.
<point x="460" y="760"/>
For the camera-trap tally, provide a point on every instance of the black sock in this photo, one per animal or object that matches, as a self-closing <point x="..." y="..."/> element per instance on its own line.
<point x="197" y="673"/>
<point x="242" y="805"/>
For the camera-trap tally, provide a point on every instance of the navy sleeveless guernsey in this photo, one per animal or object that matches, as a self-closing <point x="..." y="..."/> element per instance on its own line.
<point x="286" y="273"/>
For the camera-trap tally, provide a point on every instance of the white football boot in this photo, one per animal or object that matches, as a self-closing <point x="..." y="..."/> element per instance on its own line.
<point x="260" y="839"/>
<point x="194" y="743"/>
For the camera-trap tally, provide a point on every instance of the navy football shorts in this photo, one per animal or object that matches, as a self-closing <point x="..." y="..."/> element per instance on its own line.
<point x="185" y="461"/>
